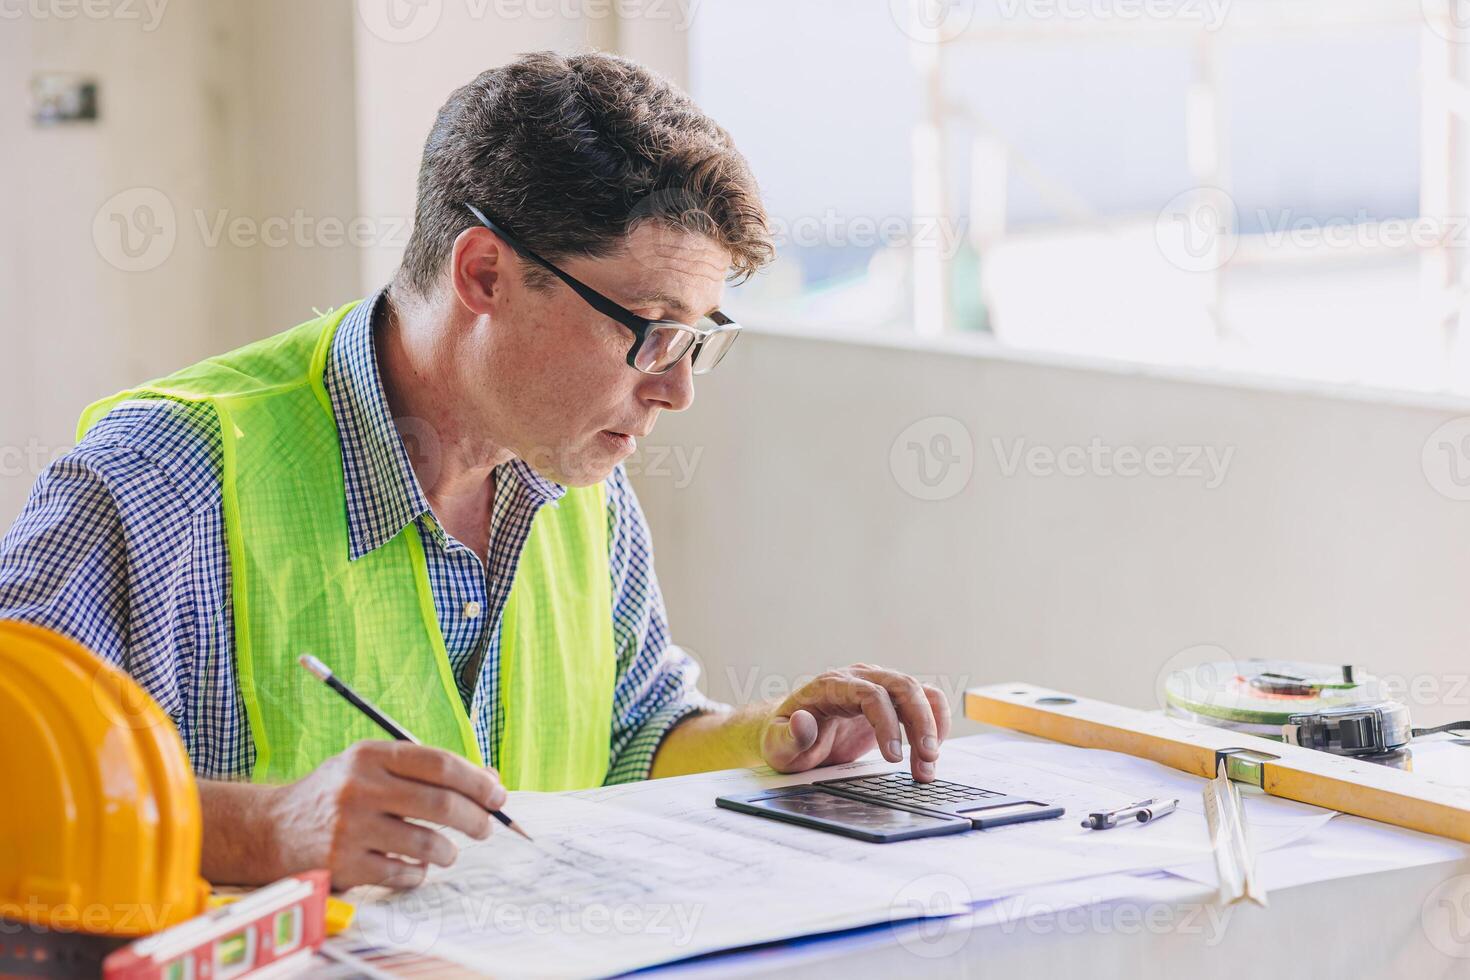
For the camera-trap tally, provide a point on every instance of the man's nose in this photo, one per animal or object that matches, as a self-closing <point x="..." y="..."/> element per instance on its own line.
<point x="674" y="389"/>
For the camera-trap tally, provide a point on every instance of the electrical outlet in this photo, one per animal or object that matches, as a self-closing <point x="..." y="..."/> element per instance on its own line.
<point x="60" y="98"/>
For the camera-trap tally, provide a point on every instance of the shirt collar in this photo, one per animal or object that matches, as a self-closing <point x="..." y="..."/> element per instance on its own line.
<point x="383" y="493"/>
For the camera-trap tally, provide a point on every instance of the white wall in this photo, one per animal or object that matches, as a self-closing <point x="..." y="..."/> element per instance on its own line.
<point x="300" y="141"/>
<point x="213" y="110"/>
<point x="404" y="74"/>
<point x="72" y="325"/>
<point x="795" y="546"/>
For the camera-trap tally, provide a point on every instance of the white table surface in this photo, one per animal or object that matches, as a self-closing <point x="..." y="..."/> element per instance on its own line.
<point x="1400" y="922"/>
<point x="1353" y="899"/>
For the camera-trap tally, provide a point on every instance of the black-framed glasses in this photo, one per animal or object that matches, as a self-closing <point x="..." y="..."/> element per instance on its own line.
<point x="658" y="345"/>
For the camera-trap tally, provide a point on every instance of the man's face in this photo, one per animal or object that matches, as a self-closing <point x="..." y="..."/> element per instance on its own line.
<point x="557" y="389"/>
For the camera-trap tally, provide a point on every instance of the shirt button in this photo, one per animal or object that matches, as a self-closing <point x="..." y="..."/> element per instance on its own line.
<point x="471" y="610"/>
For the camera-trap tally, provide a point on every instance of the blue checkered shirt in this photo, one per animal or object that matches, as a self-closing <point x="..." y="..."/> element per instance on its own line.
<point x="121" y="546"/>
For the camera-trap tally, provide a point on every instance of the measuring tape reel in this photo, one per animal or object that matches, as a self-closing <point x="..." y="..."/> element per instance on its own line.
<point x="1337" y="709"/>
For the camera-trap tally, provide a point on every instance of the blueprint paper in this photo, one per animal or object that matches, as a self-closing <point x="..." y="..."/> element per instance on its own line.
<point x="626" y="877"/>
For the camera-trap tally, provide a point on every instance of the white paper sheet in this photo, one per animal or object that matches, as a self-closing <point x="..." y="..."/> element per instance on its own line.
<point x="604" y="890"/>
<point x="1007" y="860"/>
<point x="630" y="876"/>
<point x="1444" y="760"/>
<point x="1346" y="847"/>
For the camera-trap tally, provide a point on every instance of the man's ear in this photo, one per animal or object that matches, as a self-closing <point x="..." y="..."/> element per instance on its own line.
<point x="478" y="269"/>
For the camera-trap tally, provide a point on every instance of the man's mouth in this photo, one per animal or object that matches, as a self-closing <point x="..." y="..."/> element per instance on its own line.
<point x="621" y="440"/>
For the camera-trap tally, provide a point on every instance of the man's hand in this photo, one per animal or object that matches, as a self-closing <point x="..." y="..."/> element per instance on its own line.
<point x="839" y="715"/>
<point x="350" y="815"/>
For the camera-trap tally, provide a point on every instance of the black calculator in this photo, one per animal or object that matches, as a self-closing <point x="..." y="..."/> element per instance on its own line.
<point x="890" y="807"/>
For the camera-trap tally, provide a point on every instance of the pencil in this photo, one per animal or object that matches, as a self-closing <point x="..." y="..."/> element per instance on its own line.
<point x="325" y="675"/>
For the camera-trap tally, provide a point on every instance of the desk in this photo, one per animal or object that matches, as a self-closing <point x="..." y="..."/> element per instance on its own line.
<point x="1397" y="904"/>
<point x="1399" y="922"/>
<point x="1364" y="926"/>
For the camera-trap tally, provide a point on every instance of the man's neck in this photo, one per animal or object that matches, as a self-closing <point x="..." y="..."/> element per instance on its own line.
<point x="417" y="360"/>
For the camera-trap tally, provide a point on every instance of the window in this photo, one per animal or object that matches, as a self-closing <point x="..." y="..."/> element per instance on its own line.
<point x="1246" y="185"/>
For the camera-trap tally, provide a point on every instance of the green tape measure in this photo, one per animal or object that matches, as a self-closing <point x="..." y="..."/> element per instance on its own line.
<point x="1337" y="709"/>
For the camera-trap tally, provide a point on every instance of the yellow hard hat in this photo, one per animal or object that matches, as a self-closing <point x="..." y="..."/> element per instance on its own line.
<point x="100" y="829"/>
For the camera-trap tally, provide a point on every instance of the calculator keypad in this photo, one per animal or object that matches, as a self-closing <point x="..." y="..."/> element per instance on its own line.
<point x="900" y="787"/>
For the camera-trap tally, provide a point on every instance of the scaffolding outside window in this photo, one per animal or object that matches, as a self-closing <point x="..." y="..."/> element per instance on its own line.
<point x="1239" y="185"/>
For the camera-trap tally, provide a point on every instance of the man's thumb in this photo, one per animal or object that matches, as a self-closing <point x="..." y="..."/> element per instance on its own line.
<point x="789" y="736"/>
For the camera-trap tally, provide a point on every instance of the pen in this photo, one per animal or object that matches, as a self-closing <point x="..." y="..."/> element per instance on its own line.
<point x="1143" y="811"/>
<point x="325" y="675"/>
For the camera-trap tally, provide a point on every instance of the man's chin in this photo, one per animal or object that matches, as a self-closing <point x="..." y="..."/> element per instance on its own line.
<point x="587" y="478"/>
<point x="588" y="467"/>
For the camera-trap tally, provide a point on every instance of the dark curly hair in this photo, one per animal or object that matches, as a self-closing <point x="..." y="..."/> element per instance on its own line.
<point x="571" y="153"/>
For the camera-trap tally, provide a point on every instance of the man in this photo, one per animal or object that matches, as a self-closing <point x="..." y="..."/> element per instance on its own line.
<point x="425" y="490"/>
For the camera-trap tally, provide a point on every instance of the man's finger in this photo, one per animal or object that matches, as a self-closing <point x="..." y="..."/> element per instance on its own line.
<point x="380" y="869"/>
<point x="389" y="835"/>
<point x="845" y="693"/>
<point x="803" y="729"/>
<point x="438" y="767"/>
<point x="411" y="799"/>
<point x="913" y="707"/>
<point x="787" y="737"/>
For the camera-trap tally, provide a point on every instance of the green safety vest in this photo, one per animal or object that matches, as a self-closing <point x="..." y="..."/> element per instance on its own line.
<point x="372" y="620"/>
